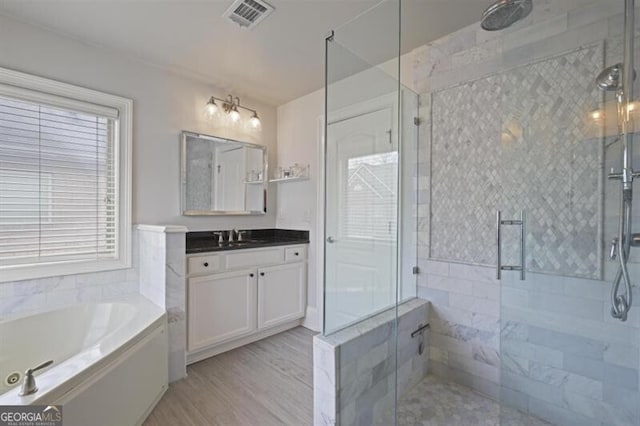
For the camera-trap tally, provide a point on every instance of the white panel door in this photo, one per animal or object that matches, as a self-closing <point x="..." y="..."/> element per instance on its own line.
<point x="361" y="216"/>
<point x="281" y="294"/>
<point x="221" y="307"/>
<point x="230" y="177"/>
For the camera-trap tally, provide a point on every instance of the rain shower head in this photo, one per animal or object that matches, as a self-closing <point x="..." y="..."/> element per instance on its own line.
<point x="610" y="78"/>
<point x="504" y="13"/>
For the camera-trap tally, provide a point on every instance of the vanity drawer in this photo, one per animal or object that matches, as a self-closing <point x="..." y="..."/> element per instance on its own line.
<point x="294" y="254"/>
<point x="243" y="259"/>
<point x="204" y="264"/>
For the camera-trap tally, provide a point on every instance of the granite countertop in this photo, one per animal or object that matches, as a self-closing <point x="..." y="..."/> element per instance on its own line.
<point x="207" y="241"/>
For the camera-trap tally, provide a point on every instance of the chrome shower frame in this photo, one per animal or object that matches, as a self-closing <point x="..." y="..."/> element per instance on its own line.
<point x="621" y="245"/>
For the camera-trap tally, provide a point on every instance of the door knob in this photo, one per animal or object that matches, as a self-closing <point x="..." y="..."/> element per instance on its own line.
<point x="331" y="240"/>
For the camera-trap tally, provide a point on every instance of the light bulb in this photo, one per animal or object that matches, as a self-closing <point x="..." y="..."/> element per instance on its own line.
<point x="255" y="121"/>
<point x="211" y="108"/>
<point x="234" y="115"/>
<point x="596" y="115"/>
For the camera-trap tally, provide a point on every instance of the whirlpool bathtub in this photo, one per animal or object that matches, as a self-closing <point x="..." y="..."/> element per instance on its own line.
<point x="109" y="360"/>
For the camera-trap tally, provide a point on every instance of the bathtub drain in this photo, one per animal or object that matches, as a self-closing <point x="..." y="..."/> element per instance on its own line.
<point x="12" y="378"/>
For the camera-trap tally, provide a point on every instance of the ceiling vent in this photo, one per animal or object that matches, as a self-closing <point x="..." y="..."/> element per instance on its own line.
<point x="248" y="13"/>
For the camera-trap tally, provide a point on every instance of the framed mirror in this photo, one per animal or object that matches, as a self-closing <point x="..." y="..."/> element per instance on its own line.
<point x="222" y="176"/>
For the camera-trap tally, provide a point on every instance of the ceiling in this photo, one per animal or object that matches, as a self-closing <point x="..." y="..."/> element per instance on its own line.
<point x="279" y="60"/>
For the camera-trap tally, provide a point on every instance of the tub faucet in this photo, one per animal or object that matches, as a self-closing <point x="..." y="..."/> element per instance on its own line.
<point x="29" y="383"/>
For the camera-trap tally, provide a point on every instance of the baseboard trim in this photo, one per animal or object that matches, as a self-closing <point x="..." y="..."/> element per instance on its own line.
<point x="205" y="353"/>
<point x="312" y="320"/>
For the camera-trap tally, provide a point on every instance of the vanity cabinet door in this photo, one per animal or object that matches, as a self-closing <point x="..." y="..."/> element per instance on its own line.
<point x="281" y="293"/>
<point x="221" y="307"/>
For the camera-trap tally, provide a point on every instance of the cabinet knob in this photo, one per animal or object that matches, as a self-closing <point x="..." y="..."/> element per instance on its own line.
<point x="251" y="275"/>
<point x="206" y="264"/>
<point x="262" y="274"/>
<point x="297" y="254"/>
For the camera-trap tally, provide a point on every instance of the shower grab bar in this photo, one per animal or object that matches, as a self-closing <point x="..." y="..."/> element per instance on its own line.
<point x="512" y="222"/>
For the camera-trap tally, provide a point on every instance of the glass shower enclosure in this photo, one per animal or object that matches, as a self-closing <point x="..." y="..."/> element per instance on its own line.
<point x="487" y="174"/>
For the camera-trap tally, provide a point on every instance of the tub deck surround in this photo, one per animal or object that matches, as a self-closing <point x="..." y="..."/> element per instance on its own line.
<point x="85" y="342"/>
<point x="162" y="271"/>
<point x="207" y="241"/>
<point x="354" y="369"/>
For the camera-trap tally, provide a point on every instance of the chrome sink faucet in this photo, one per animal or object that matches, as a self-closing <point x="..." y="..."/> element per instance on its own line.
<point x="29" y="383"/>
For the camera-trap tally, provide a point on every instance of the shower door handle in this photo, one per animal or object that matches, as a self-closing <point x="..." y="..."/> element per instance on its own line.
<point x="499" y="245"/>
<point x="523" y="238"/>
<point x="331" y="240"/>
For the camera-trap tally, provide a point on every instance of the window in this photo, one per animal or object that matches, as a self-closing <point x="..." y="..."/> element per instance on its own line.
<point x="64" y="179"/>
<point x="370" y="197"/>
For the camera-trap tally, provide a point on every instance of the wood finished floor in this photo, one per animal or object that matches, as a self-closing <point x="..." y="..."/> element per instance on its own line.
<point x="261" y="384"/>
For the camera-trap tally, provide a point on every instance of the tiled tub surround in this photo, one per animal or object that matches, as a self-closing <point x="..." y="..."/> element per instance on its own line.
<point x="157" y="273"/>
<point x="563" y="358"/>
<point x="31" y="296"/>
<point x="354" y="370"/>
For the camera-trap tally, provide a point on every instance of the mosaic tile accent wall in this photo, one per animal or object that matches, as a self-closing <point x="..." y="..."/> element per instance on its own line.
<point x="519" y="140"/>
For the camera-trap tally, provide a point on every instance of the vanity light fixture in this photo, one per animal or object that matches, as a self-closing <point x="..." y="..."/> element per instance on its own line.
<point x="255" y="121"/>
<point x="230" y="106"/>
<point x="212" y="108"/>
<point x="234" y="115"/>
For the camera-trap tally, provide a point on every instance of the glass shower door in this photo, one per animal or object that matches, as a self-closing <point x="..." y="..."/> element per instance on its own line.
<point x="362" y="181"/>
<point x="564" y="359"/>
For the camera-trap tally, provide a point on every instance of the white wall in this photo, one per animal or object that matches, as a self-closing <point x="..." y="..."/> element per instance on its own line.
<point x="164" y="104"/>
<point x="299" y="141"/>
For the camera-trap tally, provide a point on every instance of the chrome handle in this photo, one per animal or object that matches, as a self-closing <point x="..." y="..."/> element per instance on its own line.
<point x="39" y="367"/>
<point x="331" y="240"/>
<point x="499" y="243"/>
<point x="29" y="382"/>
<point x="614" y="247"/>
<point x="523" y="238"/>
<point x="523" y="241"/>
<point x="420" y="330"/>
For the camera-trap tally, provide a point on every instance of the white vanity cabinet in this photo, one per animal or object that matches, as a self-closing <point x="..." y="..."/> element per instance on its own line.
<point x="281" y="294"/>
<point x="236" y="297"/>
<point x="221" y="307"/>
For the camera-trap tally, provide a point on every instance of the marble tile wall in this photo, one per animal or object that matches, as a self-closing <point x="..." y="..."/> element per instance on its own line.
<point x="175" y="273"/>
<point x="30" y="296"/>
<point x="354" y="369"/>
<point x="465" y="323"/>
<point x="163" y="281"/>
<point x="563" y="358"/>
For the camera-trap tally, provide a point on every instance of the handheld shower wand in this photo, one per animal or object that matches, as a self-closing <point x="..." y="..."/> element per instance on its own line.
<point x="620" y="78"/>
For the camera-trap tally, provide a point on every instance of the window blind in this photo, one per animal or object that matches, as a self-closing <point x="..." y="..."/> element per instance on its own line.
<point x="58" y="186"/>
<point x="369" y="199"/>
